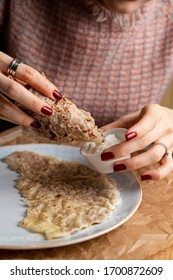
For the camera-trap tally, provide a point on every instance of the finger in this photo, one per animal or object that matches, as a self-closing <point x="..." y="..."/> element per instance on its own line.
<point x="166" y="166"/>
<point x="37" y="81"/>
<point x="6" y="119"/>
<point x="5" y="61"/>
<point x="20" y="94"/>
<point x="13" y="114"/>
<point x="147" y="121"/>
<point x="30" y="76"/>
<point x="149" y="157"/>
<point x="141" y="143"/>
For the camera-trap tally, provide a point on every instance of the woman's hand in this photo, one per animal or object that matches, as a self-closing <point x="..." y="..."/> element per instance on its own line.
<point x="149" y="127"/>
<point x="16" y="89"/>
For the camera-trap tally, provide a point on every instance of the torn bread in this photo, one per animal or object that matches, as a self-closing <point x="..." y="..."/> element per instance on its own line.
<point x="67" y="123"/>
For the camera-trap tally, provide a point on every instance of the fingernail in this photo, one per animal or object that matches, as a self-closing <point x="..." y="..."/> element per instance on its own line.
<point x="46" y="110"/>
<point x="130" y="135"/>
<point x="107" y="156"/>
<point x="146" y="177"/>
<point x="57" y="95"/>
<point x="35" y="124"/>
<point x="119" y="167"/>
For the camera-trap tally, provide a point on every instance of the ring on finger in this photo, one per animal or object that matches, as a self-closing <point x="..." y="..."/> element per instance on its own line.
<point x="13" y="68"/>
<point x="164" y="146"/>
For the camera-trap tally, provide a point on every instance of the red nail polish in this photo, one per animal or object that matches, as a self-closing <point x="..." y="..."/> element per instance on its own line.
<point x="46" y="110"/>
<point x="57" y="95"/>
<point x="130" y="135"/>
<point x="107" y="156"/>
<point x="119" y="167"/>
<point x="35" y="124"/>
<point x="146" y="177"/>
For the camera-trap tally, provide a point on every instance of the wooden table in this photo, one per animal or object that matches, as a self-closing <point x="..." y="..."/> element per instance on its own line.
<point x="80" y="251"/>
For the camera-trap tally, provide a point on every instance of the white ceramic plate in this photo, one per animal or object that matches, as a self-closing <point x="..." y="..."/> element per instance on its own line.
<point x="12" y="207"/>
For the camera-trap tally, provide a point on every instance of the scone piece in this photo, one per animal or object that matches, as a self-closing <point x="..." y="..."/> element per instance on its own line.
<point x="67" y="123"/>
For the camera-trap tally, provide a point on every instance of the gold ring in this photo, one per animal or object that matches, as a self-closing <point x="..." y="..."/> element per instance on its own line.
<point x="13" y="67"/>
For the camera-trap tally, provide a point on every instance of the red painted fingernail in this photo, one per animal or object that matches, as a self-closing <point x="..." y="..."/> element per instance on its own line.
<point x="35" y="124"/>
<point x="57" y="95"/>
<point x="107" y="156"/>
<point x="130" y="135"/>
<point x="46" y="110"/>
<point x="146" y="177"/>
<point x="119" y="167"/>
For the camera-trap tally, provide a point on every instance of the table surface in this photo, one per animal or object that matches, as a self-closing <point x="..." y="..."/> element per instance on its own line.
<point x="14" y="136"/>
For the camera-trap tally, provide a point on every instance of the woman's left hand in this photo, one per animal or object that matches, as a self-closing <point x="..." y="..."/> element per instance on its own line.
<point x="153" y="127"/>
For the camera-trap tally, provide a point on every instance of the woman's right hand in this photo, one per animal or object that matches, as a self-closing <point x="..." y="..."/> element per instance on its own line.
<point x="17" y="90"/>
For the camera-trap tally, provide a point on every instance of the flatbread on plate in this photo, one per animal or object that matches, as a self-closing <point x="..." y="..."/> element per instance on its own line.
<point x="62" y="196"/>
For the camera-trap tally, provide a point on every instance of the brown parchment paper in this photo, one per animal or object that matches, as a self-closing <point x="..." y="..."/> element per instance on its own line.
<point x="147" y="232"/>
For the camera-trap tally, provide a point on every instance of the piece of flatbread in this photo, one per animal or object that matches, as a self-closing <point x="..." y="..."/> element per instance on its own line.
<point x="67" y="123"/>
<point x="62" y="196"/>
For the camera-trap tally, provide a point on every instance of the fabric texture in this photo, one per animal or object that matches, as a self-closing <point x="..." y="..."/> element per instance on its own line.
<point x="103" y="68"/>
